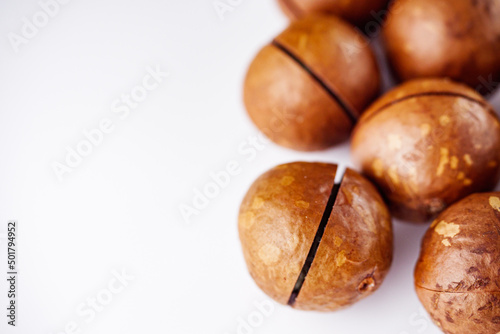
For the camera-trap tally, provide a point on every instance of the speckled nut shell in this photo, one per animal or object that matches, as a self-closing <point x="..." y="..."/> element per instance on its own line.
<point x="457" y="276"/>
<point x="303" y="90"/>
<point x="427" y="144"/>
<point x="459" y="39"/>
<point x="355" y="11"/>
<point x="311" y="244"/>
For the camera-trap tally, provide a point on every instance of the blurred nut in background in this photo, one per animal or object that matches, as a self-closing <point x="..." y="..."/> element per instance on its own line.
<point x="312" y="244"/>
<point x="306" y="89"/>
<point x="459" y="39"/>
<point x="427" y="144"/>
<point x="357" y="12"/>
<point x="457" y="276"/>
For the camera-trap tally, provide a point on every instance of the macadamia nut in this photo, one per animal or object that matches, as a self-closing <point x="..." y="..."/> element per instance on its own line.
<point x="312" y="244"/>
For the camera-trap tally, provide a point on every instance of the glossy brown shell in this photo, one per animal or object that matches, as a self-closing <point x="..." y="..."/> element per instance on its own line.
<point x="278" y="221"/>
<point x="288" y="94"/>
<point x="457" y="276"/>
<point x="459" y="39"/>
<point x="427" y="144"/>
<point x="357" y="12"/>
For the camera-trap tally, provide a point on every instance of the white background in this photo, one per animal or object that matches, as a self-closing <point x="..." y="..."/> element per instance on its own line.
<point x="119" y="209"/>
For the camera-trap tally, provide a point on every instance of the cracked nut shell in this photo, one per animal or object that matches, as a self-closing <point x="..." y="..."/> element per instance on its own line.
<point x="459" y="39"/>
<point x="457" y="277"/>
<point x="357" y="12"/>
<point x="427" y="144"/>
<point x="279" y="220"/>
<point x="302" y="90"/>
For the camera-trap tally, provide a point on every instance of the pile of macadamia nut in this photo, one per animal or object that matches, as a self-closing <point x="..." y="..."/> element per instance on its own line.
<point x="427" y="149"/>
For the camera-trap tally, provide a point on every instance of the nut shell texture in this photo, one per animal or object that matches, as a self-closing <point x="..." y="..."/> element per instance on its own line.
<point x="293" y="86"/>
<point x="457" y="276"/>
<point x="355" y="253"/>
<point x="427" y="144"/>
<point x="459" y="39"/>
<point x="355" y="11"/>
<point x="278" y="221"/>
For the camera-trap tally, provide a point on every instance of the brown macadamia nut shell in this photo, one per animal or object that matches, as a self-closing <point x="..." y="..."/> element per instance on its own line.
<point x="427" y="144"/>
<point x="303" y="90"/>
<point x="278" y="221"/>
<point x="457" y="276"/>
<point x="355" y="253"/>
<point x="459" y="39"/>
